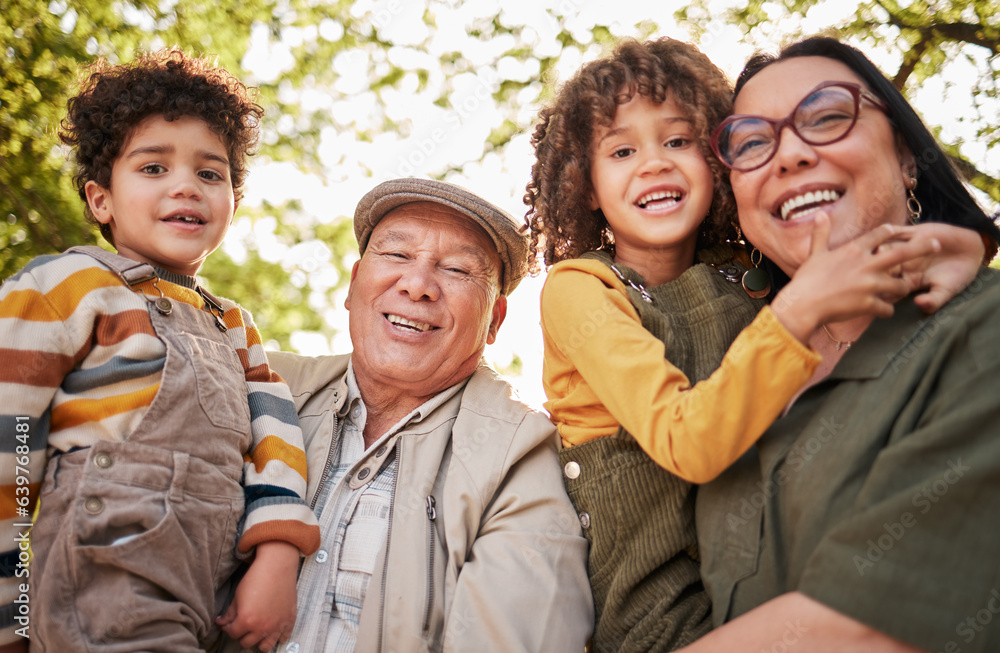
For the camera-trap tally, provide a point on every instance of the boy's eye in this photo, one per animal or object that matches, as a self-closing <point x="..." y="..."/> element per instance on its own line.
<point x="678" y="142"/>
<point x="211" y="175"/>
<point x="622" y="152"/>
<point x="153" y="169"/>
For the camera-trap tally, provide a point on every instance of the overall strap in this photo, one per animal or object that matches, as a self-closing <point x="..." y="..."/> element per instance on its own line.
<point x="130" y="272"/>
<point x="696" y="316"/>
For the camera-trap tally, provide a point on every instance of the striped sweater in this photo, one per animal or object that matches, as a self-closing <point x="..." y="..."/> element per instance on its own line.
<point x="80" y="363"/>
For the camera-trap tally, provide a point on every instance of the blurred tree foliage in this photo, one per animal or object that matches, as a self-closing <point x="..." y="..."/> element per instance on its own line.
<point x="507" y="62"/>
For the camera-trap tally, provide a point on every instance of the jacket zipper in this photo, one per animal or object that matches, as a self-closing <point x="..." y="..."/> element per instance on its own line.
<point x="431" y="516"/>
<point x="328" y="465"/>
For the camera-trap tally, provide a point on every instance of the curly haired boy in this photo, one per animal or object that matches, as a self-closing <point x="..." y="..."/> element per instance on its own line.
<point x="139" y="408"/>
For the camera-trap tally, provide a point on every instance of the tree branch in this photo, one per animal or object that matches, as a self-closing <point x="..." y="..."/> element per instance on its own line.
<point x="962" y="32"/>
<point x="981" y="180"/>
<point x="910" y="61"/>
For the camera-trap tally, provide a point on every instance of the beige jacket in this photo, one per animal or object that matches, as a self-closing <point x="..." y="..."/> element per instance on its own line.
<point x="502" y="566"/>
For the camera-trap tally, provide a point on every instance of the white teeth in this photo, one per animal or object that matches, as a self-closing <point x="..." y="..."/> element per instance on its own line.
<point x="658" y="195"/>
<point x="402" y="321"/>
<point x="808" y="199"/>
<point x="190" y="219"/>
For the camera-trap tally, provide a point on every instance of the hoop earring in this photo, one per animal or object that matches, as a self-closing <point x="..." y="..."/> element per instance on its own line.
<point x="912" y="203"/>
<point x="756" y="281"/>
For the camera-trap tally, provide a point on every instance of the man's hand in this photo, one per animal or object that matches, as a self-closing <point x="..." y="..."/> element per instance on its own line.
<point x="262" y="613"/>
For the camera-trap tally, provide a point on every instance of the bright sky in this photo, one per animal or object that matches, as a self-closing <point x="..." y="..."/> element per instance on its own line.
<point x="438" y="138"/>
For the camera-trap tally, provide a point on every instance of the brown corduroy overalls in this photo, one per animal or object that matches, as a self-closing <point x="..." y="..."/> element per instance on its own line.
<point x="134" y="538"/>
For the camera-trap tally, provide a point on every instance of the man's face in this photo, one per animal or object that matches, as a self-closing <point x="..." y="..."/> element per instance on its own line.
<point x="424" y="300"/>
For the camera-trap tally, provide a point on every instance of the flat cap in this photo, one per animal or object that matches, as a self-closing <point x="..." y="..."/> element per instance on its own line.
<point x="502" y="228"/>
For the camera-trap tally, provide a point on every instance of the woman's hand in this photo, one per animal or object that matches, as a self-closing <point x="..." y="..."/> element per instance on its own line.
<point x="861" y="277"/>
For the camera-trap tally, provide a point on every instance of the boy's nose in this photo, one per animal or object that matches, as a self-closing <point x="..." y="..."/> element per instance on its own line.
<point x="185" y="184"/>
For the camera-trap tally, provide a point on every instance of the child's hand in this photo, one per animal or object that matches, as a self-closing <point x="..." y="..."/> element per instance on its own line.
<point x="945" y="273"/>
<point x="262" y="613"/>
<point x="861" y="277"/>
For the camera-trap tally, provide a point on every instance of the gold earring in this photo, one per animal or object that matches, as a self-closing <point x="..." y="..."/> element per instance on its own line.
<point x="912" y="203"/>
<point x="756" y="281"/>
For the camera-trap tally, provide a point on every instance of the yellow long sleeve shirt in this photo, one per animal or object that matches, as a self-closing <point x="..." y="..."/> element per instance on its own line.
<point x="603" y="369"/>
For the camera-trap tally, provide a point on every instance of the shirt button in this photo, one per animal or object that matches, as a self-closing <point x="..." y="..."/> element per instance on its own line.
<point x="292" y="647"/>
<point x="93" y="505"/>
<point x="103" y="460"/>
<point x="572" y="469"/>
<point x="363" y="474"/>
<point x="321" y="556"/>
<point x="356" y="412"/>
<point x="585" y="520"/>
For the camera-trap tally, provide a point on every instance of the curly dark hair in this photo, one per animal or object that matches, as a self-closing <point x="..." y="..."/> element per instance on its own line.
<point x="115" y="99"/>
<point x="560" y="189"/>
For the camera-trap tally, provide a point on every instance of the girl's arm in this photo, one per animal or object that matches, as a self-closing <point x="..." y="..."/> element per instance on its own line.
<point x="597" y="352"/>
<point x="598" y="355"/>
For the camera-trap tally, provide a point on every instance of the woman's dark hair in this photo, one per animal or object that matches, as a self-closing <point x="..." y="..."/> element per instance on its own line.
<point x="941" y="193"/>
<point x="558" y="195"/>
<point x="115" y="99"/>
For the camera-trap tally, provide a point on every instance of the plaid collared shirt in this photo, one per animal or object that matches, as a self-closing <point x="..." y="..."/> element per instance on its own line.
<point x="354" y="524"/>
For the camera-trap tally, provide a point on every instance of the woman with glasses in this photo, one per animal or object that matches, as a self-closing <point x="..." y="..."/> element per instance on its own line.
<point x="865" y="517"/>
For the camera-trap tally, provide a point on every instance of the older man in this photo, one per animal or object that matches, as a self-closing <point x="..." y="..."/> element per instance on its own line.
<point x="445" y="523"/>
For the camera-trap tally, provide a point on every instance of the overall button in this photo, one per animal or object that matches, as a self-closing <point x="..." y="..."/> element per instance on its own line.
<point x="103" y="460"/>
<point x="321" y="556"/>
<point x="93" y="505"/>
<point x="381" y="451"/>
<point x="585" y="520"/>
<point x="363" y="474"/>
<point x="572" y="469"/>
<point x="163" y="305"/>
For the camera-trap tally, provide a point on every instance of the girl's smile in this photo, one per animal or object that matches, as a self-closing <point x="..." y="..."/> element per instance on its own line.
<point x="653" y="185"/>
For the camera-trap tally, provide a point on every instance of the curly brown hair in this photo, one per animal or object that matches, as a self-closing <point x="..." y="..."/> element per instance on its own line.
<point x="560" y="189"/>
<point x="115" y="99"/>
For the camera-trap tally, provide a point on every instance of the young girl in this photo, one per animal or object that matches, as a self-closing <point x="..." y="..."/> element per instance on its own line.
<point x="644" y="297"/>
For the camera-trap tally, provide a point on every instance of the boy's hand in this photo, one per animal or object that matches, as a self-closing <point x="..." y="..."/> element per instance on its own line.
<point x="945" y="273"/>
<point x="262" y="613"/>
<point x="861" y="277"/>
